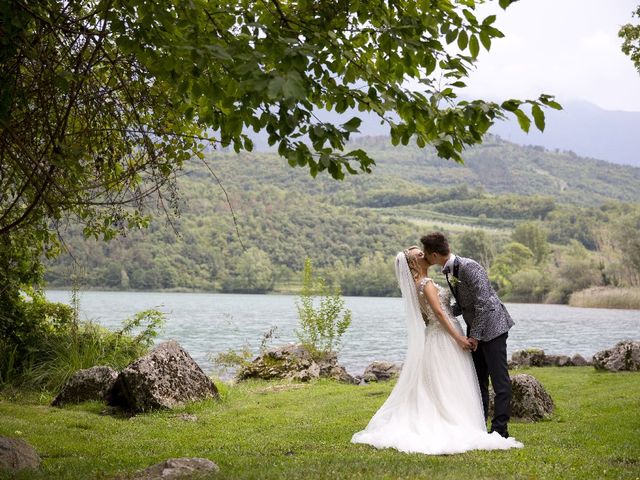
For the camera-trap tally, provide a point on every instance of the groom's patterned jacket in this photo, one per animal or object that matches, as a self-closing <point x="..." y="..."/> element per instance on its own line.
<point x="486" y="317"/>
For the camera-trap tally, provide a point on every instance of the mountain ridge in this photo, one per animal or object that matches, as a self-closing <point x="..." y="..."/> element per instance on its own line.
<point x="581" y="127"/>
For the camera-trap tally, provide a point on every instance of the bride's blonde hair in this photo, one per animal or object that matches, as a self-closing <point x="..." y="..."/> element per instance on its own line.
<point x="411" y="261"/>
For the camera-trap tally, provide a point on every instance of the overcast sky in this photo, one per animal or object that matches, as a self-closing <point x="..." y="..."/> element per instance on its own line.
<point x="568" y="48"/>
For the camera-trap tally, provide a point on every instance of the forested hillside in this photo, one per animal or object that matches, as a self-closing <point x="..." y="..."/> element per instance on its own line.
<point x="351" y="228"/>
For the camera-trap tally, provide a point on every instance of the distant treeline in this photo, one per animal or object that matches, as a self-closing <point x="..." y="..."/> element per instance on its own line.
<point x="547" y="247"/>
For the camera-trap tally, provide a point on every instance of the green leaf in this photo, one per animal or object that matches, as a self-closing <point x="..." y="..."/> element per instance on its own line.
<point x="489" y="20"/>
<point x="292" y="86"/>
<point x="495" y="32"/>
<point x="549" y="102"/>
<point x="523" y="120"/>
<point x="511" y="105"/>
<point x="474" y="46"/>
<point x="450" y="36"/>
<point x="485" y="39"/>
<point x="470" y="17"/>
<point x="275" y="87"/>
<point x="538" y="117"/>
<point x="219" y="52"/>
<point x="352" y="125"/>
<point x="463" y="40"/>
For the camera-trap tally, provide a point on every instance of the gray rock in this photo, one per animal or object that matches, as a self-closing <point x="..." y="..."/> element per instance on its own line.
<point x="529" y="358"/>
<point x="624" y="356"/>
<point x="340" y="374"/>
<point x="164" y="378"/>
<point x="529" y="401"/>
<point x="558" y="361"/>
<point x="89" y="384"/>
<point x="579" y="361"/>
<point x="311" y="372"/>
<point x="178" y="468"/>
<point x="381" y="371"/>
<point x="537" y="358"/>
<point x="16" y="454"/>
<point x="294" y="362"/>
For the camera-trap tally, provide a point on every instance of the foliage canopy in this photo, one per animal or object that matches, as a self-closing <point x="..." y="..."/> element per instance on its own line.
<point x="630" y="35"/>
<point x="103" y="101"/>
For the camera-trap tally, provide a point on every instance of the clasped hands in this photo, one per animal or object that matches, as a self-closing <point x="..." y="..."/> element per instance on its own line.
<point x="469" y="344"/>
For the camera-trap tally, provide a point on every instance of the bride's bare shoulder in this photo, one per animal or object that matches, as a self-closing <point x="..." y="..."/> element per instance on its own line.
<point x="421" y="283"/>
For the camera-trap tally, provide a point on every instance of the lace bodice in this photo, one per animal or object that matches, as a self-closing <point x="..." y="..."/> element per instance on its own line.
<point x="444" y="295"/>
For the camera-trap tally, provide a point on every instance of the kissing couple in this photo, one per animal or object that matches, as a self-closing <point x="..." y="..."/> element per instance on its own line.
<point x="440" y="402"/>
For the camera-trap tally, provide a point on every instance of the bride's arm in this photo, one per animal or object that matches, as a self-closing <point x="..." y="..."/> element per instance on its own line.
<point x="431" y="294"/>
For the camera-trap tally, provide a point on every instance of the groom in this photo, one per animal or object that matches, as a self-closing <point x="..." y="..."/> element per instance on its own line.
<point x="488" y="324"/>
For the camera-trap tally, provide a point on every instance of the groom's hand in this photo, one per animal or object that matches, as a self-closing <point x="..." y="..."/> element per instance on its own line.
<point x="474" y="344"/>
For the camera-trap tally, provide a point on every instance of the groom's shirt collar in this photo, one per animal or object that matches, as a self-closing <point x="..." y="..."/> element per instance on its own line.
<point x="449" y="263"/>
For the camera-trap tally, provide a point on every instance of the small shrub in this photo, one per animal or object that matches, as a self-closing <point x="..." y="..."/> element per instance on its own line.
<point x="25" y="326"/>
<point x="63" y="346"/>
<point x="321" y="327"/>
<point x="232" y="360"/>
<point x="88" y="345"/>
<point x="9" y="372"/>
<point x="148" y="323"/>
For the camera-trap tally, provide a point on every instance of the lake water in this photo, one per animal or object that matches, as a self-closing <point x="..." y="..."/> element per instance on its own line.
<point x="206" y="324"/>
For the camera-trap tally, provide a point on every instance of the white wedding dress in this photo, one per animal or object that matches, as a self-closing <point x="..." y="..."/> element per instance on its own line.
<point x="435" y="407"/>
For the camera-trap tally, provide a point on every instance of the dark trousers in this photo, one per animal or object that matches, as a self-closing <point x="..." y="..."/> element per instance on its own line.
<point x="490" y="360"/>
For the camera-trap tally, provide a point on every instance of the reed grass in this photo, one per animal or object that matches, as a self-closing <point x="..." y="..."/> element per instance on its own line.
<point x="607" y="297"/>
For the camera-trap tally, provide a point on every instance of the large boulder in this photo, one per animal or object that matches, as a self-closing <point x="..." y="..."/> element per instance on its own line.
<point x="89" y="384"/>
<point x="16" y="454"/>
<point x="529" y="400"/>
<point x="164" y="378"/>
<point x="381" y="371"/>
<point x="624" y="356"/>
<point x="178" y="468"/>
<point x="294" y="362"/>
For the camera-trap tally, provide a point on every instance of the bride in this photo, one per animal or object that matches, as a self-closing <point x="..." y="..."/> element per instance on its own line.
<point x="435" y="407"/>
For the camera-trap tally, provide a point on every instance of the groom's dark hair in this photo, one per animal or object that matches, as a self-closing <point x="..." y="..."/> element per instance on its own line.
<point x="436" y="242"/>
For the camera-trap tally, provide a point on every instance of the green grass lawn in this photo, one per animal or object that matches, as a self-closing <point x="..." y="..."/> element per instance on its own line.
<point x="291" y="431"/>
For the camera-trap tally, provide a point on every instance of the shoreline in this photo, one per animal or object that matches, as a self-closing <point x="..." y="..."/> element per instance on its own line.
<point x="602" y="291"/>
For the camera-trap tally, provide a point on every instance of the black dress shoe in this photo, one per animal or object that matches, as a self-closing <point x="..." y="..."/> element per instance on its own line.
<point x="502" y="433"/>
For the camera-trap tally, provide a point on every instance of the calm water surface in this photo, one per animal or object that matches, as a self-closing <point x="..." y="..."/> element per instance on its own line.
<point x="207" y="324"/>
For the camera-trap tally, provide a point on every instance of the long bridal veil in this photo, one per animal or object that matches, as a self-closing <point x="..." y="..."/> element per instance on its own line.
<point x="435" y="406"/>
<point x="412" y="366"/>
